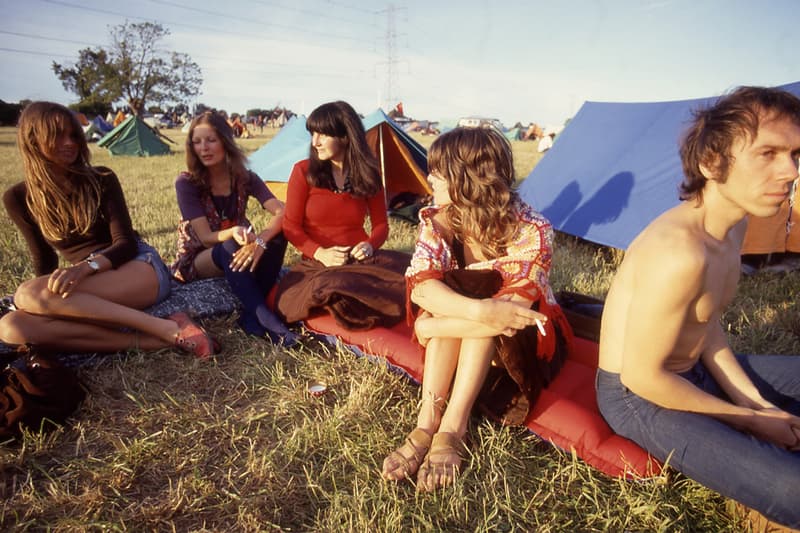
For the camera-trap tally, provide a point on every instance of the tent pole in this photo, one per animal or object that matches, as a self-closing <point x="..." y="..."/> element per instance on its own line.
<point x="383" y="165"/>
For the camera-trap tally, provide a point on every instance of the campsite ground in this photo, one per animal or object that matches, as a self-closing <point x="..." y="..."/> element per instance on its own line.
<point x="167" y="443"/>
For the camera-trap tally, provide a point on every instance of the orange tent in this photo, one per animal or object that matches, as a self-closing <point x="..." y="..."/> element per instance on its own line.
<point x="775" y="234"/>
<point x="119" y="118"/>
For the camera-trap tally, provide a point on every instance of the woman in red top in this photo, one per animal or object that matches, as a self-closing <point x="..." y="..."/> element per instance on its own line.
<point x="67" y="206"/>
<point x="328" y="199"/>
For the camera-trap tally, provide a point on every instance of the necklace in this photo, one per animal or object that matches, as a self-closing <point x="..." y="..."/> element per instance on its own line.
<point x="222" y="204"/>
<point x="225" y="204"/>
<point x="346" y="186"/>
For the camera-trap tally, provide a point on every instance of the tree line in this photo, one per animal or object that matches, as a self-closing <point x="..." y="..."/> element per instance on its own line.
<point x="133" y="68"/>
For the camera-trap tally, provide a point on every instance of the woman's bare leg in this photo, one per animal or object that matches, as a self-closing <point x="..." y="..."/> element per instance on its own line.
<point x="20" y="327"/>
<point x="100" y="303"/>
<point x="445" y="455"/>
<point x="114" y="297"/>
<point x="441" y="357"/>
<point x="474" y="360"/>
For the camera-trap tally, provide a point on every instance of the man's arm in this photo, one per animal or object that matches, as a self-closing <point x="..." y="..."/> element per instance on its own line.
<point x="663" y="293"/>
<point x="729" y="374"/>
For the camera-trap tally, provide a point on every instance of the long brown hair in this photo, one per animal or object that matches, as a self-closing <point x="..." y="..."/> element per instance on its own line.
<point x="339" y="119"/>
<point x="478" y="166"/>
<point x="58" y="210"/>
<point x="235" y="158"/>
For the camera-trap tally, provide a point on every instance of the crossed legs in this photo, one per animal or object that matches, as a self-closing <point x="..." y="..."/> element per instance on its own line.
<point x="89" y="319"/>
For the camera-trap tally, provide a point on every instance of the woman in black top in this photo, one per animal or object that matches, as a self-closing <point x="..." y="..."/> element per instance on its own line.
<point x="67" y="206"/>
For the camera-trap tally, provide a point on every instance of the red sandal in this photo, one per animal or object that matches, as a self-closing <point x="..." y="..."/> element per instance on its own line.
<point x="193" y="338"/>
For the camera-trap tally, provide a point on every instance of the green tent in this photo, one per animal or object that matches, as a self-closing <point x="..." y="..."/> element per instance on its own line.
<point x="133" y="137"/>
<point x="512" y="134"/>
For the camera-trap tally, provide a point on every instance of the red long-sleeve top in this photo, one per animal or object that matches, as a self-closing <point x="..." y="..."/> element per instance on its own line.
<point x="316" y="216"/>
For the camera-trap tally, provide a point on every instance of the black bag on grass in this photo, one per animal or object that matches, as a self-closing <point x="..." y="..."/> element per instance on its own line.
<point x="583" y="313"/>
<point x="35" y="388"/>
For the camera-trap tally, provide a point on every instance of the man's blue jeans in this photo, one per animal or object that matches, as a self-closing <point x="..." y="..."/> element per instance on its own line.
<point x="760" y="475"/>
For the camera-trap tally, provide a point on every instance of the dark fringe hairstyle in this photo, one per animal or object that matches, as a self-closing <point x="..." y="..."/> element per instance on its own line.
<point x="339" y="119"/>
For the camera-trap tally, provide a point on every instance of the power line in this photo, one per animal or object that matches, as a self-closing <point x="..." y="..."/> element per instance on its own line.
<point x="214" y="58"/>
<point x="306" y="12"/>
<point x="311" y="70"/>
<point x="32" y="52"/>
<point x="293" y="66"/>
<point x="251" y="21"/>
<point x="286" y="75"/>
<point x="216" y="30"/>
<point x="42" y="37"/>
<point x="348" y="6"/>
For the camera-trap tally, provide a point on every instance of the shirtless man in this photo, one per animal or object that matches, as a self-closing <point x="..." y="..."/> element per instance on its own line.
<point x="668" y="379"/>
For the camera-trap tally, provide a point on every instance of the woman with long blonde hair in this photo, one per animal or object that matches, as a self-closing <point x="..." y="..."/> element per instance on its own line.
<point x="66" y="206"/>
<point x="479" y="277"/>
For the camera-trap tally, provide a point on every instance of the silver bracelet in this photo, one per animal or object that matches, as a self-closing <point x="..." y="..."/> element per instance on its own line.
<point x="260" y="243"/>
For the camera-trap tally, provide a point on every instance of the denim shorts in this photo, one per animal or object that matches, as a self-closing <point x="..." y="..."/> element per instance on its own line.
<point x="148" y="254"/>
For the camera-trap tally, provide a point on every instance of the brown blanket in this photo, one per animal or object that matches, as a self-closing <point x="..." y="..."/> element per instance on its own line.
<point x="359" y="295"/>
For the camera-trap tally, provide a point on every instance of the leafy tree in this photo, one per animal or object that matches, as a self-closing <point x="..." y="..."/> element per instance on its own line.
<point x="134" y="68"/>
<point x="9" y="113"/>
<point x="88" y="79"/>
<point x="91" y="108"/>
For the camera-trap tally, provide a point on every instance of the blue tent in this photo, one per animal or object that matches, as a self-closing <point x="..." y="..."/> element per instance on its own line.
<point x="614" y="169"/>
<point x="403" y="160"/>
<point x="97" y="129"/>
<point x="273" y="162"/>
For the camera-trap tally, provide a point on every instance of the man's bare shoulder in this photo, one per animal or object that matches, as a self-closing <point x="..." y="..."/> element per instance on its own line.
<point x="670" y="243"/>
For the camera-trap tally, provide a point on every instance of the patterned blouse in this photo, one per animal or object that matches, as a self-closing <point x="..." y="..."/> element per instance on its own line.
<point x="525" y="267"/>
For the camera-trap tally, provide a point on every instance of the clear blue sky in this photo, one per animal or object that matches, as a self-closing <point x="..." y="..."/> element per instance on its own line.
<point x="516" y="60"/>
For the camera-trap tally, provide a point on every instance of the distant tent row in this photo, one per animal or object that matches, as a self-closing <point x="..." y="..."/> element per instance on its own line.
<point x="403" y="160"/>
<point x="616" y="167"/>
<point x="133" y="137"/>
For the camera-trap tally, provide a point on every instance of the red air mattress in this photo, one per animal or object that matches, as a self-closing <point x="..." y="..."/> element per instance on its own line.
<point x="566" y="413"/>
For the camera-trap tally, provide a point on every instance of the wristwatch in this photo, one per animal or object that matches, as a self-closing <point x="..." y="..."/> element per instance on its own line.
<point x="94" y="265"/>
<point x="260" y="243"/>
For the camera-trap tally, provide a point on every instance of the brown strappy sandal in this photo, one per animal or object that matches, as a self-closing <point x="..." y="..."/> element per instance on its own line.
<point x="442" y="464"/>
<point x="397" y="466"/>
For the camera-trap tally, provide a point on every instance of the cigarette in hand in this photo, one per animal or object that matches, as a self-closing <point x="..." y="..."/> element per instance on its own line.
<point x="250" y="229"/>
<point x="541" y="327"/>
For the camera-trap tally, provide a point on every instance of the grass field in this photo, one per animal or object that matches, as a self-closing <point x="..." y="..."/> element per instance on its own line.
<point x="167" y="443"/>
